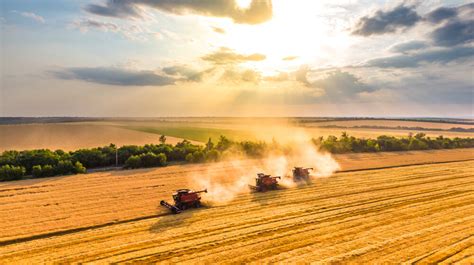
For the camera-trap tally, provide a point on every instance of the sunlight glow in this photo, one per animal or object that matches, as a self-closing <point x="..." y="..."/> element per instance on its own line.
<point x="243" y="3"/>
<point x="300" y="31"/>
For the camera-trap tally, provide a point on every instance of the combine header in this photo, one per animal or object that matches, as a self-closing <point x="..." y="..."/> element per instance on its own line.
<point x="265" y="182"/>
<point x="184" y="199"/>
<point x="301" y="174"/>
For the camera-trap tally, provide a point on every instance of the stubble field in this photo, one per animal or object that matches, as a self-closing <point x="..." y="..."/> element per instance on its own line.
<point x="417" y="213"/>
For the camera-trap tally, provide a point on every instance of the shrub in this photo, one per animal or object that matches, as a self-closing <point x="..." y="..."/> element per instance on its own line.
<point x="64" y="167"/>
<point x="198" y="156"/>
<point x="79" y="168"/>
<point x="152" y="160"/>
<point x="161" y="160"/>
<point x="133" y="162"/>
<point x="47" y="171"/>
<point x="189" y="158"/>
<point x="8" y="172"/>
<point x="90" y="157"/>
<point x="37" y="171"/>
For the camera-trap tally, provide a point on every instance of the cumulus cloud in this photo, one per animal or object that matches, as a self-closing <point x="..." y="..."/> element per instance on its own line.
<point x="258" y="11"/>
<point x="339" y="85"/>
<point x="114" y="76"/>
<point x="228" y="56"/>
<point x="437" y="56"/>
<point x="454" y="33"/>
<point x="401" y="17"/>
<point x="441" y="14"/>
<point x="409" y="46"/>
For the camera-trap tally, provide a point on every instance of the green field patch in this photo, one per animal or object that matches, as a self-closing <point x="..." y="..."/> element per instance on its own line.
<point x="199" y="134"/>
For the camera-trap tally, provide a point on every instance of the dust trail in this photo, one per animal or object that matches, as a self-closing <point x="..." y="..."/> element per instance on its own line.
<point x="228" y="179"/>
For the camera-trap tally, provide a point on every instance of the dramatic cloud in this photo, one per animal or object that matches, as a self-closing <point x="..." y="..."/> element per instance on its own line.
<point x="228" y="56"/>
<point x="441" y="14"/>
<point x="259" y="11"/>
<point x="114" y="76"/>
<point x="381" y="22"/>
<point x="115" y="8"/>
<point x="409" y="46"/>
<point x="439" y="56"/>
<point x="454" y="33"/>
<point x="339" y="85"/>
<point x="449" y="13"/>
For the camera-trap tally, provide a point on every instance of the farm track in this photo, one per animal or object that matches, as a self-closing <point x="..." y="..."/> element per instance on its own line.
<point x="416" y="214"/>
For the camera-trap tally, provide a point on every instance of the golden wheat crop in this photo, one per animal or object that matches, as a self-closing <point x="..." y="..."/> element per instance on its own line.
<point x="415" y="213"/>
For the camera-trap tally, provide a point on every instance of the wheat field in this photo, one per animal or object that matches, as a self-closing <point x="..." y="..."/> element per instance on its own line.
<point x="418" y="213"/>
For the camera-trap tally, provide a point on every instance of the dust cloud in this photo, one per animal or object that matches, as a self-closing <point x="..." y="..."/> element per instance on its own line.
<point x="232" y="177"/>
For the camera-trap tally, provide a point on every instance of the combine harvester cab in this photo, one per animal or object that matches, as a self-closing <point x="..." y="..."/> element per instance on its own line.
<point x="184" y="199"/>
<point x="265" y="182"/>
<point x="301" y="174"/>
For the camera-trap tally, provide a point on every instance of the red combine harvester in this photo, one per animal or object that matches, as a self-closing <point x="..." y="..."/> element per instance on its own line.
<point x="265" y="182"/>
<point x="184" y="199"/>
<point x="301" y="174"/>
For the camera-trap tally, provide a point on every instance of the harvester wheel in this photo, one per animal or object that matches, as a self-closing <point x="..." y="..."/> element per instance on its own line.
<point x="197" y="204"/>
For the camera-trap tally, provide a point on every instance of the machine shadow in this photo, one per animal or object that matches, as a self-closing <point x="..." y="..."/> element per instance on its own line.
<point x="186" y="202"/>
<point x="168" y="220"/>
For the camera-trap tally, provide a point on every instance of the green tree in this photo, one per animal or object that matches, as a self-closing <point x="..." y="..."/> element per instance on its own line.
<point x="64" y="167"/>
<point x="133" y="162"/>
<point x="8" y="172"/>
<point x="47" y="171"/>
<point x="163" y="139"/>
<point x="189" y="158"/>
<point x="209" y="145"/>
<point x="37" y="171"/>
<point x="198" y="156"/>
<point x="79" y="168"/>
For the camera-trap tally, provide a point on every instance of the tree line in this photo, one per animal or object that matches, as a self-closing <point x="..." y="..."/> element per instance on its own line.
<point x="45" y="163"/>
<point x="419" y="141"/>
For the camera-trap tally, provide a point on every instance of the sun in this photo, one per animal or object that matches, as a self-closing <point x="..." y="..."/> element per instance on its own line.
<point x="299" y="31"/>
<point x="243" y="3"/>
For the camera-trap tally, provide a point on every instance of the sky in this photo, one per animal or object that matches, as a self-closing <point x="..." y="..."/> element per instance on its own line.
<point x="149" y="58"/>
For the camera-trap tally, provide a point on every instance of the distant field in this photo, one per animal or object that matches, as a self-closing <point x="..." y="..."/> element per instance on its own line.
<point x="357" y="217"/>
<point x="71" y="136"/>
<point x="86" y="134"/>
<point x="262" y="131"/>
<point x="393" y="123"/>
<point x="199" y="134"/>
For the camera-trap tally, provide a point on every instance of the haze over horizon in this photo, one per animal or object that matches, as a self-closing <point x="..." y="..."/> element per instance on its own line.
<point x="158" y="58"/>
